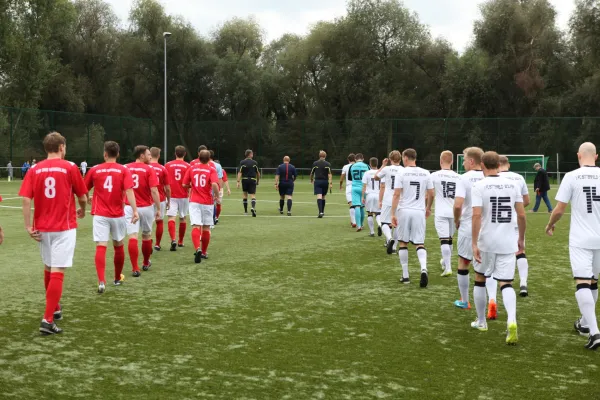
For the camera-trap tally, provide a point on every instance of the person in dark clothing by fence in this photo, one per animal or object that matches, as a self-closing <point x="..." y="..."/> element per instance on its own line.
<point x="541" y="186"/>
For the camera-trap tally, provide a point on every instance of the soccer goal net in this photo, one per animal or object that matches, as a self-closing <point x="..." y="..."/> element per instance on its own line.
<point x="519" y="163"/>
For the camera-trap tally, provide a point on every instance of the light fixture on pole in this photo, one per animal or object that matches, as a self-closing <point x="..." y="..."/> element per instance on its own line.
<point x="165" y="151"/>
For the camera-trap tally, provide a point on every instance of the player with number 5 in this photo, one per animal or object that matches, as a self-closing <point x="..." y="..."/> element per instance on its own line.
<point x="176" y="170"/>
<point x="111" y="182"/>
<point x="53" y="184"/>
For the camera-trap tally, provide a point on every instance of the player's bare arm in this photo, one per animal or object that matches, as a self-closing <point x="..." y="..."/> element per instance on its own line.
<point x="276" y="180"/>
<point x="458" y="203"/>
<point x="364" y="191"/>
<point x="521" y="223"/>
<point x="1" y="235"/>
<point x="215" y="188"/>
<point x="239" y="178"/>
<point x="83" y="200"/>
<point x="168" y="195"/>
<point x="156" y="199"/>
<point x="35" y="235"/>
<point x="475" y="229"/>
<point x="557" y="214"/>
<point x="330" y="177"/>
<point x="381" y="192"/>
<point x="383" y="165"/>
<point x="342" y="178"/>
<point x="228" y="188"/>
<point x="526" y="200"/>
<point x="131" y="198"/>
<point x="395" y="201"/>
<point x="429" y="202"/>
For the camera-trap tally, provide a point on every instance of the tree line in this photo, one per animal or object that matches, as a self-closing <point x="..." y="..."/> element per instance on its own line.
<point x="371" y="80"/>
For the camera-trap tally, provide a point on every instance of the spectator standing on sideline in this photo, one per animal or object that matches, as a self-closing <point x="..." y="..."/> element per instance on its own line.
<point x="541" y="186"/>
<point x="9" y="168"/>
<point x="25" y="168"/>
<point x="83" y="167"/>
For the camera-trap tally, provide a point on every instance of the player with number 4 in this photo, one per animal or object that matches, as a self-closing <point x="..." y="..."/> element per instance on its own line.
<point x="111" y="182"/>
<point x="145" y="188"/>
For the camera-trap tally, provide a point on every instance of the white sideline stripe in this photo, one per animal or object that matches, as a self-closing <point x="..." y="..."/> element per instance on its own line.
<point x="10" y="198"/>
<point x="295" y="202"/>
<point x="13" y="207"/>
<point x="285" y="216"/>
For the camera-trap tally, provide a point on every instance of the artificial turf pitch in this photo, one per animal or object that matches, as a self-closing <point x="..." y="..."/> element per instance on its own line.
<point x="285" y="308"/>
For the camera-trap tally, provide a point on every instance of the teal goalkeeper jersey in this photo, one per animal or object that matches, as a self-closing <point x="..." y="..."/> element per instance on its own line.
<point x="356" y="173"/>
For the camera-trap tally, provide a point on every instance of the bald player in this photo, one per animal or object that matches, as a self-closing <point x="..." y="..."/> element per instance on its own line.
<point x="581" y="188"/>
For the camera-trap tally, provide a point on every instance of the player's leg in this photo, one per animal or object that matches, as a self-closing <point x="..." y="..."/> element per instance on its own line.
<point x="245" y="195"/>
<point x="132" y="243"/>
<point x="586" y="265"/>
<point x="172" y="213"/>
<point x="386" y="227"/>
<point x="207" y="216"/>
<point x="523" y="267"/>
<point x="352" y="210"/>
<point x="252" y="193"/>
<point x="160" y="226"/>
<point x="289" y="196"/>
<point x="443" y="228"/>
<point x="358" y="210"/>
<point x="146" y="221"/>
<point x="318" y="191"/>
<point x="479" y="289"/>
<point x="371" y="223"/>
<point x="504" y="273"/>
<point x="491" y="286"/>
<point x="417" y="224"/>
<point x="403" y="232"/>
<point x="118" y="233"/>
<point x="196" y="221"/>
<point x="183" y="212"/>
<point x="281" y="201"/>
<point x="101" y="228"/>
<point x="465" y="255"/>
<point x="219" y="205"/>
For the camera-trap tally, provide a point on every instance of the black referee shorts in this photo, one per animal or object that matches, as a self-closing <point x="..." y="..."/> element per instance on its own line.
<point x="286" y="189"/>
<point x="321" y="187"/>
<point x="249" y="186"/>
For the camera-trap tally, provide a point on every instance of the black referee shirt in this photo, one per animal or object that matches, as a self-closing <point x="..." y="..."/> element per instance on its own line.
<point x="249" y="169"/>
<point x="321" y="170"/>
<point x="287" y="173"/>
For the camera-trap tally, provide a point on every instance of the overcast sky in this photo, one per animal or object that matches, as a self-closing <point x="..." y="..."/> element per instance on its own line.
<point x="452" y="19"/>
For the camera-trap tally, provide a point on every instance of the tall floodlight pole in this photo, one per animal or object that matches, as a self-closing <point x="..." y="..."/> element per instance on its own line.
<point x="165" y="151"/>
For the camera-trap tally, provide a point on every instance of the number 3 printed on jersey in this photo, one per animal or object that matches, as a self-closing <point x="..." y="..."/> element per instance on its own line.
<point x="136" y="180"/>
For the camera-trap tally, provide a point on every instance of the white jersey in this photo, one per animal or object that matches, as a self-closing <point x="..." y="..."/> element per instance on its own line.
<point x="414" y="182"/>
<point x="581" y="188"/>
<point x="463" y="190"/>
<point x="372" y="185"/>
<point x="84" y="166"/>
<point x="388" y="177"/>
<point x="345" y="171"/>
<point x="519" y="180"/>
<point x="497" y="197"/>
<point x="444" y="182"/>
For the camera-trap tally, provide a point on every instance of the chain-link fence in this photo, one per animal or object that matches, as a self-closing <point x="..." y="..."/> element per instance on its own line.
<point x="22" y="130"/>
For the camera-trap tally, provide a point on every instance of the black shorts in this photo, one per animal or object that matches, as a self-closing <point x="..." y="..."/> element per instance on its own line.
<point x="322" y="187"/>
<point x="286" y="189"/>
<point x="249" y="186"/>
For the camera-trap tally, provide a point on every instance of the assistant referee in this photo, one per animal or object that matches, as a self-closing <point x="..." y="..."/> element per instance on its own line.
<point x="320" y="175"/>
<point x="249" y="176"/>
<point x="284" y="182"/>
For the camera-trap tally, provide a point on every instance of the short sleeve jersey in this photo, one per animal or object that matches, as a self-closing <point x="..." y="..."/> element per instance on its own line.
<point x="369" y="180"/>
<point x="463" y="190"/>
<point x="414" y="182"/>
<point x="201" y="177"/>
<point x="195" y="161"/>
<point x="53" y="185"/>
<point x="513" y="176"/>
<point x="581" y="188"/>
<point x="345" y="170"/>
<point x="176" y="172"/>
<point x="321" y="170"/>
<point x="286" y="172"/>
<point x="163" y="180"/>
<point x="110" y="181"/>
<point x="388" y="177"/>
<point x="249" y="169"/>
<point x="144" y="179"/>
<point x="356" y="173"/>
<point x="497" y="197"/>
<point x="445" y="182"/>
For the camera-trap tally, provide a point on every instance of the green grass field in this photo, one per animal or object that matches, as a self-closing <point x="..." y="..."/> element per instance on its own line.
<point x="286" y="308"/>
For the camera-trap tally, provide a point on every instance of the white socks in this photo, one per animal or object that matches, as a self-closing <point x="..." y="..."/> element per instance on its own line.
<point x="587" y="306"/>
<point x="492" y="288"/>
<point x="371" y="225"/>
<point x="403" y="254"/>
<point x="378" y="220"/>
<point x="446" y="254"/>
<point x="387" y="232"/>
<point x="463" y="284"/>
<point x="352" y="216"/>
<point x="480" y="301"/>
<point x="422" y="255"/>
<point x="509" y="298"/>
<point x="523" y="266"/>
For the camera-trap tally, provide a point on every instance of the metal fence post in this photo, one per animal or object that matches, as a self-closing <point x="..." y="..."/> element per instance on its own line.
<point x="445" y="133"/>
<point x="87" y="152"/>
<point x="10" y="114"/>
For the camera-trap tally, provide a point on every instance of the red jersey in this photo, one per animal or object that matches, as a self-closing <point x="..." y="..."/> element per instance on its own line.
<point x="144" y="179"/>
<point x="196" y="161"/>
<point x="163" y="180"/>
<point x="201" y="177"/>
<point x="176" y="171"/>
<point x="53" y="185"/>
<point x="225" y="179"/>
<point x="110" y="181"/>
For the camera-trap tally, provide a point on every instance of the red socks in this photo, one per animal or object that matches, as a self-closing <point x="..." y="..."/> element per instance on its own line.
<point x="218" y="211"/>
<point x="134" y="254"/>
<point x="205" y="240"/>
<point x="119" y="261"/>
<point x="160" y="228"/>
<point x="171" y="227"/>
<point x="196" y="232"/>
<point x="182" y="228"/>
<point x="147" y="251"/>
<point x="53" y="293"/>
<point x="46" y="279"/>
<point x="101" y="263"/>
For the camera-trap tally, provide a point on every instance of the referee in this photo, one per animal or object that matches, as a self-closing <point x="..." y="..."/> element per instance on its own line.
<point x="284" y="182"/>
<point x="249" y="176"/>
<point x="321" y="176"/>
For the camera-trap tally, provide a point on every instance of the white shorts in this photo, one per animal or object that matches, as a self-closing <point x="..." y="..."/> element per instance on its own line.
<point x="57" y="248"/>
<point x="372" y="203"/>
<point x="386" y="214"/>
<point x="585" y="263"/>
<point x="501" y="266"/>
<point x="411" y="226"/>
<point x="105" y="227"/>
<point x="465" y="241"/>
<point x="220" y="199"/>
<point x="146" y="220"/>
<point x="201" y="214"/>
<point x="445" y="227"/>
<point x="348" y="193"/>
<point x="178" y="207"/>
